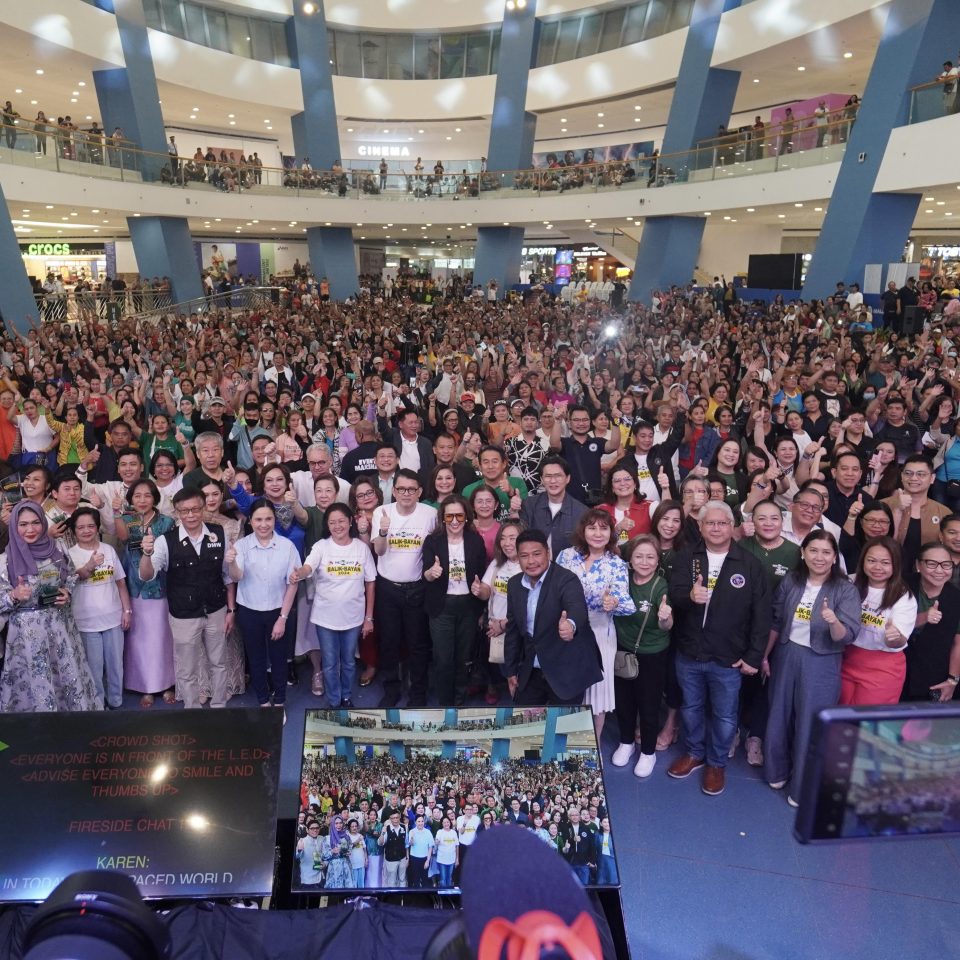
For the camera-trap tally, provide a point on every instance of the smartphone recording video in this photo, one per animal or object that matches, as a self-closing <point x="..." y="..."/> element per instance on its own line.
<point x="881" y="772"/>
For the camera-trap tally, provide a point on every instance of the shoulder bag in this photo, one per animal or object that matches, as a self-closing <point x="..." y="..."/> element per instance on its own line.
<point x="625" y="664"/>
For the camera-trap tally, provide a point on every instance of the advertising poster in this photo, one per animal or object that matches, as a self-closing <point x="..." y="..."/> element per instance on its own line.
<point x="182" y="802"/>
<point x="605" y="154"/>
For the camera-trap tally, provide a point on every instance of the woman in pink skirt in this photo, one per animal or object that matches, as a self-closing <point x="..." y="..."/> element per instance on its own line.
<point x="874" y="665"/>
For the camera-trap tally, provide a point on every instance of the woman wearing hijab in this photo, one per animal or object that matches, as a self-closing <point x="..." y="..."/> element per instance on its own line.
<point x="335" y="852"/>
<point x="45" y="669"/>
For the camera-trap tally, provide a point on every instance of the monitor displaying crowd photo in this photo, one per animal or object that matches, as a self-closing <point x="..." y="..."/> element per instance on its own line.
<point x="393" y="800"/>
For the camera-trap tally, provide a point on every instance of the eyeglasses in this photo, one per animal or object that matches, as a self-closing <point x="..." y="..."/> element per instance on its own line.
<point x="876" y="521"/>
<point x="945" y="565"/>
<point x="405" y="489"/>
<point x="716" y="523"/>
<point x="916" y="474"/>
<point x="362" y="494"/>
<point x="316" y="463"/>
<point x="806" y="505"/>
<point x="188" y="510"/>
<point x="455" y="518"/>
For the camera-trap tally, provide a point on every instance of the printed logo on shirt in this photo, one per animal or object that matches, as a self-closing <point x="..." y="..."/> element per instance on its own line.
<point x="101" y="574"/>
<point x="343" y="568"/>
<point x="458" y="572"/>
<point x="780" y="570"/>
<point x="643" y="606"/>
<point x="405" y="541"/>
<point x="871" y="618"/>
<point x="644" y="474"/>
<point x="804" y="611"/>
<point x="500" y="585"/>
<point x="711" y="581"/>
<point x="738" y="580"/>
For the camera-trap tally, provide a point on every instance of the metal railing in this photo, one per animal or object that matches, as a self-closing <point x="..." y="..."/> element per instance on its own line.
<point x="110" y="305"/>
<point x="936" y="98"/>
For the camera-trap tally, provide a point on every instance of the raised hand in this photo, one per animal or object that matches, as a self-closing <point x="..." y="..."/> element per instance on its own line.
<point x="435" y="572"/>
<point x="828" y="615"/>
<point x="663" y="481"/>
<point x="905" y="500"/>
<point x="117" y="503"/>
<point x="476" y="586"/>
<point x="148" y="543"/>
<point x="565" y="627"/>
<point x="516" y="502"/>
<point x="892" y="637"/>
<point x="229" y="475"/>
<point x="856" y="508"/>
<point x="699" y="593"/>
<point x="22" y="591"/>
<point x="231" y="555"/>
<point x="363" y="524"/>
<point x="290" y="496"/>
<point x="384" y="524"/>
<point x="608" y="601"/>
<point x="664" y="611"/>
<point x="934" y="614"/>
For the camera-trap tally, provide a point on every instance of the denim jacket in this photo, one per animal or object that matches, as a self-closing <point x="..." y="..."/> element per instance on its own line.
<point x="840" y="594"/>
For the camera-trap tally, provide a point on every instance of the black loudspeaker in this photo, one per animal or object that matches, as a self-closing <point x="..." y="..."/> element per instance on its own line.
<point x="912" y="320"/>
<point x="774" y="271"/>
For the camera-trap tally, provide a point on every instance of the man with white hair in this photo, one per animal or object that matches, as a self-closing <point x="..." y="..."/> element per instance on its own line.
<point x="721" y="602"/>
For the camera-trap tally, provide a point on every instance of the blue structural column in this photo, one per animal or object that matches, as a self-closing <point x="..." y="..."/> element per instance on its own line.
<point x="861" y="226"/>
<point x="129" y="99"/>
<point x="512" y="131"/>
<point x="553" y="743"/>
<point x="344" y="748"/>
<point x="503" y="716"/>
<point x="703" y="99"/>
<point x="393" y="716"/>
<point x="315" y="135"/>
<point x="398" y="751"/>
<point x="500" y="751"/>
<point x="448" y="750"/>
<point x="17" y="302"/>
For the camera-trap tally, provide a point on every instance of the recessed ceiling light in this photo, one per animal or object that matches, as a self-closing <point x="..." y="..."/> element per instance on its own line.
<point x="848" y="55"/>
<point x="707" y="213"/>
<point x="193" y="116"/>
<point x="930" y="210"/>
<point x="798" y="204"/>
<point x="136" y="214"/>
<point x="409" y="138"/>
<point x="782" y="216"/>
<point x="751" y="209"/>
<point x="106" y="221"/>
<point x="818" y="209"/>
<point x="458" y="130"/>
<point x="600" y="114"/>
<point x="73" y="93"/>
<point x="449" y="138"/>
<point x="638" y="119"/>
<point x="33" y="103"/>
<point x="39" y="73"/>
<point x="73" y="213"/>
<point x="637" y="107"/>
<point x="801" y="69"/>
<point x="89" y="117"/>
<point x="563" y="119"/>
<point x="941" y="203"/>
<point x="73" y="99"/>
<point x="217" y="219"/>
<point x="929" y="199"/>
<point x="421" y="131"/>
<point x="230" y="116"/>
<point x="233" y="123"/>
<point x="266" y="121"/>
<point x="386" y="129"/>
<point x="563" y="129"/>
<point x="49" y="206"/>
<point x="948" y="214"/>
<point x="18" y="90"/>
<point x="82" y="83"/>
<point x="600" y="125"/>
<point x="726" y="218"/>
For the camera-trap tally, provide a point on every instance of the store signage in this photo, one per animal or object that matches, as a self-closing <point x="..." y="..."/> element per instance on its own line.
<point x="382" y="150"/>
<point x="539" y="251"/>
<point x="950" y="253"/>
<point x="46" y="249"/>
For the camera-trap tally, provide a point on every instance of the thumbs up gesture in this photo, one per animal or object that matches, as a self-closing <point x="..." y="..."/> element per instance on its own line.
<point x="516" y="502"/>
<point x="23" y="590"/>
<point x="117" y="503"/>
<point x="892" y="637"/>
<point x="384" y="524"/>
<point x="96" y="560"/>
<point x="828" y="615"/>
<point x="435" y="572"/>
<point x="608" y="601"/>
<point x="231" y="555"/>
<point x="475" y="586"/>
<point x="934" y="614"/>
<point x="663" y="482"/>
<point x="699" y="593"/>
<point x="229" y="475"/>
<point x="856" y="508"/>
<point x="565" y="628"/>
<point x="664" y="611"/>
<point x="148" y="543"/>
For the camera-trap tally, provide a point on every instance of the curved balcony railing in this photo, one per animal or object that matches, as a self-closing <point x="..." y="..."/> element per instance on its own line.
<point x="90" y="153"/>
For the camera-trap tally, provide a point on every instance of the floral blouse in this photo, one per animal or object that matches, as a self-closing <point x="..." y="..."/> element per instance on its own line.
<point x="609" y="572"/>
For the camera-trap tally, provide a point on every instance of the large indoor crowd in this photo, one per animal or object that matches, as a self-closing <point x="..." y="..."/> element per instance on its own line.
<point x="383" y="822"/>
<point x="708" y="517"/>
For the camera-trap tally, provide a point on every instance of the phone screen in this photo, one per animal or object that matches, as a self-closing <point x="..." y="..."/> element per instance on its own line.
<point x="882" y="772"/>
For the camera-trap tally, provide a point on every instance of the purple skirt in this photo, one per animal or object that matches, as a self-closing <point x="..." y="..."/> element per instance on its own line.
<point x="148" y="652"/>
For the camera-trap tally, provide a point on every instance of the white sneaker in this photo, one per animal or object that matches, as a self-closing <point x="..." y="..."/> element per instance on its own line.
<point x="645" y="765"/>
<point x="623" y="753"/>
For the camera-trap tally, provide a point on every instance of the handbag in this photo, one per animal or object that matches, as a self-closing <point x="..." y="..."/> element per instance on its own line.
<point x="626" y="666"/>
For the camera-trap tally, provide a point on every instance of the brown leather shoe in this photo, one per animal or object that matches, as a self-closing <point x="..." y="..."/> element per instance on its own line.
<point x="683" y="767"/>
<point x="714" y="781"/>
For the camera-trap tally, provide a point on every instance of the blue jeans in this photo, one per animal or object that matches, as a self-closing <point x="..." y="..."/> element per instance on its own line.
<point x="358" y="873"/>
<point x="104" y="650"/>
<point x="338" y="650"/>
<point x="582" y="873"/>
<point x="446" y="875"/>
<point x="607" y="870"/>
<point x="698" y="681"/>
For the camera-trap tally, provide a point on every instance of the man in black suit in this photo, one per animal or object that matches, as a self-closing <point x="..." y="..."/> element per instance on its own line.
<point x="554" y="512"/>
<point x="413" y="449"/>
<point x="550" y="653"/>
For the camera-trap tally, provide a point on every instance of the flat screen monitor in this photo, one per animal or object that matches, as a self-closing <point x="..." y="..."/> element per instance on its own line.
<point x="882" y="772"/>
<point x="183" y="802"/>
<point x="528" y="767"/>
